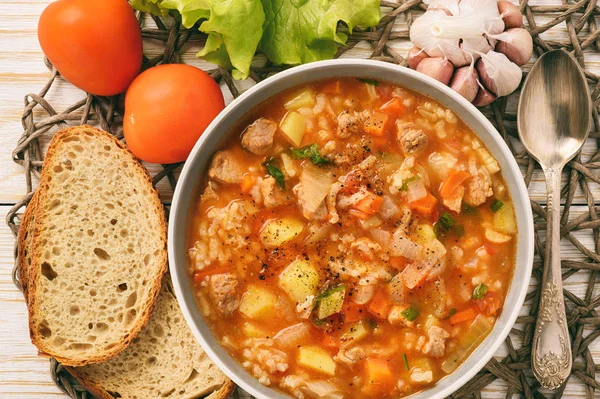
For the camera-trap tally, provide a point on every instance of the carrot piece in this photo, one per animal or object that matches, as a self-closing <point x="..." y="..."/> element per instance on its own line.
<point x="394" y="106"/>
<point x="376" y="123"/>
<point x="453" y="181"/>
<point x="330" y="342"/>
<point x="425" y="205"/>
<point x="247" y="183"/>
<point x="352" y="312"/>
<point x="332" y="88"/>
<point x="380" y="305"/>
<point x="463" y="315"/>
<point x="379" y="376"/>
<point x="358" y="214"/>
<point x="371" y="204"/>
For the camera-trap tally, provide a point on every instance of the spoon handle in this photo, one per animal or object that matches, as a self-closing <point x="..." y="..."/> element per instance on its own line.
<point x="551" y="352"/>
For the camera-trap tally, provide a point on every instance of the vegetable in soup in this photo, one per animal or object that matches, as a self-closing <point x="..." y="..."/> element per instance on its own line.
<point x="354" y="240"/>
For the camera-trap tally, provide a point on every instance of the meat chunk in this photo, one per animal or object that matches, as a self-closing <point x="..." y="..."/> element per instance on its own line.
<point x="413" y="141"/>
<point x="436" y="345"/>
<point x="396" y="317"/>
<point x="350" y="356"/>
<point x="478" y="190"/>
<point x="258" y="137"/>
<point x="223" y="290"/>
<point x="225" y="168"/>
<point x="266" y="192"/>
<point x="312" y="190"/>
<point x="349" y="123"/>
<point x="454" y="202"/>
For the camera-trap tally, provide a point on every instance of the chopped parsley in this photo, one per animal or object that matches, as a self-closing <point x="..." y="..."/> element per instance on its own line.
<point x="446" y="220"/>
<point x="479" y="291"/>
<point x="447" y="224"/>
<point x="274" y="171"/>
<point x="405" y="360"/>
<point x="469" y="209"/>
<point x="371" y="82"/>
<point x="496" y="205"/>
<point x="410" y="313"/>
<point x="405" y="183"/>
<point x="451" y="312"/>
<point x="311" y="152"/>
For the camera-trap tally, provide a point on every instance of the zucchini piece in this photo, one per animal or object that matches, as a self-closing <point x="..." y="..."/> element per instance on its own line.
<point x="278" y="232"/>
<point x="306" y="99"/>
<point x="504" y="220"/>
<point x="316" y="358"/>
<point x="292" y="127"/>
<point x="331" y="302"/>
<point x="476" y="333"/>
<point x="257" y="302"/>
<point x="299" y="280"/>
<point x="355" y="333"/>
<point x="425" y="234"/>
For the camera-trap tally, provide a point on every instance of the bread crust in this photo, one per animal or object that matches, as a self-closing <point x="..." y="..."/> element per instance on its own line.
<point x="24" y="239"/>
<point x="95" y="389"/>
<point x="34" y="271"/>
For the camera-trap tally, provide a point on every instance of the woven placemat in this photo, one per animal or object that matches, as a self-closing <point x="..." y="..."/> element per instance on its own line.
<point x="41" y="120"/>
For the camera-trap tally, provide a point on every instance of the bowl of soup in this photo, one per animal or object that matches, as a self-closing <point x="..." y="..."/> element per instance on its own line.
<point x="350" y="229"/>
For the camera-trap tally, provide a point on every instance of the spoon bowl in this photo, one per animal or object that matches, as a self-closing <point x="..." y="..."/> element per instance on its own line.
<point x="555" y="109"/>
<point x="553" y="118"/>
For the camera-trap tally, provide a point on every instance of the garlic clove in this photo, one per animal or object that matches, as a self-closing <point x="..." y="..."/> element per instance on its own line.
<point x="511" y="14"/>
<point x="438" y="68"/>
<point x="450" y="7"/>
<point x="464" y="82"/>
<point x="499" y="74"/>
<point x="415" y="56"/>
<point x="484" y="97"/>
<point x="516" y="44"/>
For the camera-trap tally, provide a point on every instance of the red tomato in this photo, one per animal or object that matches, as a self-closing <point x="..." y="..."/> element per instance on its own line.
<point x="95" y="44"/>
<point x="167" y="108"/>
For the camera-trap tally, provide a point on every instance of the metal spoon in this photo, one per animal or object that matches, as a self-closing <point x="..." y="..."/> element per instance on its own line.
<point x="553" y="119"/>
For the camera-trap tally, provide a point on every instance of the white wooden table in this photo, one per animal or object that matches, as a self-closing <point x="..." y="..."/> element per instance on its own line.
<point x="22" y="373"/>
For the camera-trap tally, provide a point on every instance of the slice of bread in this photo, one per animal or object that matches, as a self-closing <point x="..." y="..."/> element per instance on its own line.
<point x="164" y="361"/>
<point x="98" y="251"/>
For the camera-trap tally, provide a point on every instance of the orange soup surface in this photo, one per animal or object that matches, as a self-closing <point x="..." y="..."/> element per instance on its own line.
<point x="355" y="239"/>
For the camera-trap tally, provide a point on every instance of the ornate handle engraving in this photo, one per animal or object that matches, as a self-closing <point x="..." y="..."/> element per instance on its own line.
<point x="551" y="351"/>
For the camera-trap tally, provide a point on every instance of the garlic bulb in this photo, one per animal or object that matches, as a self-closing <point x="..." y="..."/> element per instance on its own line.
<point x="464" y="82"/>
<point x="499" y="74"/>
<point x="511" y="14"/>
<point x="516" y="44"/>
<point x="438" y="68"/>
<point x="415" y="56"/>
<point x="461" y="36"/>
<point x="484" y="97"/>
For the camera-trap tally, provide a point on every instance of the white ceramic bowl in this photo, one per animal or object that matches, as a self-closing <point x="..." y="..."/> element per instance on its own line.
<point x="216" y="135"/>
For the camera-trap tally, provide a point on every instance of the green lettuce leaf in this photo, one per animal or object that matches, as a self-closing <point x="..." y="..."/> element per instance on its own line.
<point x="234" y="28"/>
<point x="287" y="31"/>
<point x="301" y="31"/>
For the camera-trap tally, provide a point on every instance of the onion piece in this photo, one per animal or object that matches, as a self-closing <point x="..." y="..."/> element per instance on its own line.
<point x="320" y="389"/>
<point x="388" y="208"/>
<point x="382" y="237"/>
<point x="415" y="190"/>
<point x="292" y="336"/>
<point x="363" y="294"/>
<point x="396" y="289"/>
<point x="401" y="245"/>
